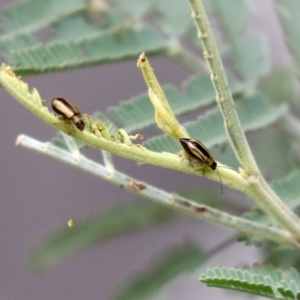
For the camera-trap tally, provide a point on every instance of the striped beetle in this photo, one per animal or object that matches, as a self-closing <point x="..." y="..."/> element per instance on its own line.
<point x="68" y="110"/>
<point x="199" y="152"/>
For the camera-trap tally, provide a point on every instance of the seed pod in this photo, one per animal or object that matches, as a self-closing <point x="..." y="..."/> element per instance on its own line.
<point x="68" y="111"/>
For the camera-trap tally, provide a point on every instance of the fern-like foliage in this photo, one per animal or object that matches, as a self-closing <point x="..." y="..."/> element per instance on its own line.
<point x="168" y="18"/>
<point x="248" y="55"/>
<point x="69" y="22"/>
<point x="16" y="41"/>
<point x="73" y="27"/>
<point x="255" y="112"/>
<point x="171" y="263"/>
<point x="261" y="280"/>
<point x="287" y="12"/>
<point x="31" y="15"/>
<point x="196" y="92"/>
<point x="80" y="35"/>
<point x="103" y="47"/>
<point x="162" y="16"/>
<point x="140" y="7"/>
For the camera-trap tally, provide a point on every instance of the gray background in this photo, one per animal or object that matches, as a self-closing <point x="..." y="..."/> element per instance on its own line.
<point x="37" y="193"/>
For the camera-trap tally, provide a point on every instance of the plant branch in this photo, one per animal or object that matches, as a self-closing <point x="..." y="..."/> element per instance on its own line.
<point x="224" y="98"/>
<point x="172" y="200"/>
<point x="259" y="189"/>
<point x="33" y="102"/>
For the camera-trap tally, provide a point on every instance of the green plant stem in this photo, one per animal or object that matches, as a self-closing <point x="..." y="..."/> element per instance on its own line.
<point x="108" y="161"/>
<point x="71" y="144"/>
<point x="172" y="200"/>
<point x="33" y="102"/>
<point x="259" y="189"/>
<point x="224" y="98"/>
<point x="272" y="204"/>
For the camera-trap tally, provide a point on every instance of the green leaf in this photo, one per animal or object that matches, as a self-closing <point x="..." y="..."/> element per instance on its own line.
<point x="278" y="85"/>
<point x="289" y="290"/>
<point x="11" y="42"/>
<point x="172" y="262"/>
<point x="65" y="241"/>
<point x="271" y="163"/>
<point x="78" y="26"/>
<point x="254" y="60"/>
<point x="168" y="13"/>
<point x="255" y="112"/>
<point x="261" y="280"/>
<point x="196" y="92"/>
<point x="134" y="8"/>
<point x="248" y="54"/>
<point x="163" y="143"/>
<point x="32" y="15"/>
<point x="95" y="49"/>
<point x="230" y="10"/>
<point x="282" y="256"/>
<point x="288" y="12"/>
<point x="73" y="27"/>
<point x="136" y="113"/>
<point x="288" y="190"/>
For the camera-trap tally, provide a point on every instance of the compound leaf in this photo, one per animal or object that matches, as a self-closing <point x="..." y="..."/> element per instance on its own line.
<point x="95" y="49"/>
<point x="287" y="12"/>
<point x="255" y="112"/>
<point x="170" y="264"/>
<point x="134" y="8"/>
<point x="260" y="280"/>
<point x="249" y="54"/>
<point x="197" y="92"/>
<point x="31" y="15"/>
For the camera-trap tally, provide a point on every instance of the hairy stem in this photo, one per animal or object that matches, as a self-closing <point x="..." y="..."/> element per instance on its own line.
<point x="169" y="199"/>
<point x="259" y="190"/>
<point x="33" y="102"/>
<point x="223" y="94"/>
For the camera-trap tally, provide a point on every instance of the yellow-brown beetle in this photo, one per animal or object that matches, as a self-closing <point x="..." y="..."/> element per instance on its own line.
<point x="197" y="150"/>
<point x="68" y="110"/>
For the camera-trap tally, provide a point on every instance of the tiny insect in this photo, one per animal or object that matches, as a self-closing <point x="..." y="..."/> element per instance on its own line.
<point x="198" y="151"/>
<point x="71" y="223"/>
<point x="68" y="111"/>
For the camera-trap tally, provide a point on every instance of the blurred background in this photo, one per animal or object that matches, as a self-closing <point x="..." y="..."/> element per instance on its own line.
<point x="38" y="193"/>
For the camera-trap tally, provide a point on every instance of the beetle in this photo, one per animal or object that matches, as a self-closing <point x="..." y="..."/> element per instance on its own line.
<point x="68" y="110"/>
<point x="199" y="152"/>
